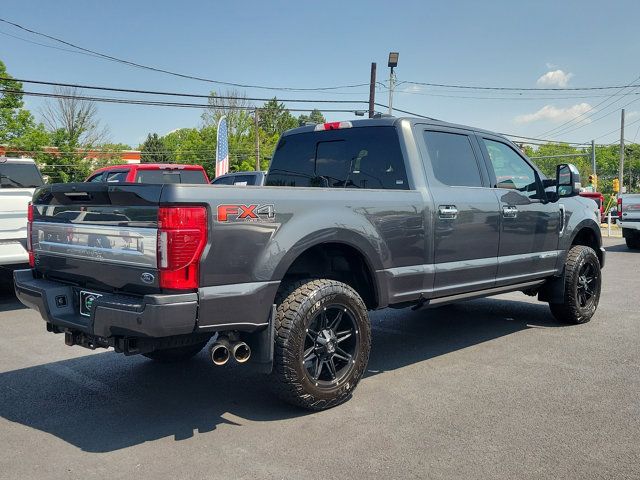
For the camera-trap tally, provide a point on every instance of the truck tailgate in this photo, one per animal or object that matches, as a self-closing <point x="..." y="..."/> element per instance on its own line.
<point x="97" y="236"/>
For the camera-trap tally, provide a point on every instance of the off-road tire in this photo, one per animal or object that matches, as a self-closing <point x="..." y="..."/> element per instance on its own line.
<point x="176" y="354"/>
<point x="298" y="304"/>
<point x="633" y="242"/>
<point x="570" y="311"/>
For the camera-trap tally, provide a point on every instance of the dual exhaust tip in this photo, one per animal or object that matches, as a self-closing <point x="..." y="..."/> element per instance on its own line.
<point x="222" y="351"/>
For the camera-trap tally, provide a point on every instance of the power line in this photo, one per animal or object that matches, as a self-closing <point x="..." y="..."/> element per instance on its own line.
<point x="559" y="128"/>
<point x="174" y="94"/>
<point x="129" y="101"/>
<point x="169" y="72"/>
<point x="504" y="134"/>
<point x="523" y="89"/>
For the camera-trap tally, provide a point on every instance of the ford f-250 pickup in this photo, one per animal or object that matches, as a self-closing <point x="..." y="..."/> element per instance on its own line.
<point x="629" y="218"/>
<point x="355" y="216"/>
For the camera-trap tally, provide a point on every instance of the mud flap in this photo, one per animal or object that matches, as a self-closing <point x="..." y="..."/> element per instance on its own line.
<point x="552" y="291"/>
<point x="262" y="345"/>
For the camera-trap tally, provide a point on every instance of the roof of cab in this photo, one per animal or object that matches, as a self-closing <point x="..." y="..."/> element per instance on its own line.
<point x="392" y="121"/>
<point x="151" y="166"/>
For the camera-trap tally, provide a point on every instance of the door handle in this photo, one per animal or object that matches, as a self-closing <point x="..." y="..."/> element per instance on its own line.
<point x="447" y="212"/>
<point x="509" y="211"/>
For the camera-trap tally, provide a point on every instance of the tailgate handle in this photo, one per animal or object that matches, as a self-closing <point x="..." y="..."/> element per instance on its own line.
<point x="77" y="196"/>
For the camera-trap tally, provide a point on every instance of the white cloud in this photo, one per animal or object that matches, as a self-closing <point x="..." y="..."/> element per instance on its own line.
<point x="551" y="65"/>
<point x="557" y="115"/>
<point x="555" y="78"/>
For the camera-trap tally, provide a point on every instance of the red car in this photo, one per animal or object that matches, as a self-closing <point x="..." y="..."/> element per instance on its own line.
<point x="150" y="173"/>
<point x="599" y="199"/>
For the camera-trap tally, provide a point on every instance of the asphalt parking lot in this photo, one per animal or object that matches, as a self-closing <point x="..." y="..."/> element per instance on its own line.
<point x="491" y="388"/>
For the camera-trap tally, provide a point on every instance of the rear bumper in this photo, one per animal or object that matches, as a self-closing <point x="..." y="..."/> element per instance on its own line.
<point x="244" y="307"/>
<point x="13" y="252"/>
<point x="111" y="315"/>
<point x="630" y="225"/>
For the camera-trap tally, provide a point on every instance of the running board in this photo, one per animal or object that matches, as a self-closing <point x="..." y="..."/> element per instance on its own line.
<point x="483" y="293"/>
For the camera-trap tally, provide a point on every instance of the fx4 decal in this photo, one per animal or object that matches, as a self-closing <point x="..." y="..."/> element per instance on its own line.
<point x="246" y="213"/>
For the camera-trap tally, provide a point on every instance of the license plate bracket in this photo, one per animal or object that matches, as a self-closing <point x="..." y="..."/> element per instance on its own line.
<point x="86" y="302"/>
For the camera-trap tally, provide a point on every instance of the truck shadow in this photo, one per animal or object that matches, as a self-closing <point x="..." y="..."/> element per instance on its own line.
<point x="104" y="402"/>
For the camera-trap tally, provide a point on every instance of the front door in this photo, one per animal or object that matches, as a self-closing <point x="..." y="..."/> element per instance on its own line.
<point x="529" y="229"/>
<point x="465" y="219"/>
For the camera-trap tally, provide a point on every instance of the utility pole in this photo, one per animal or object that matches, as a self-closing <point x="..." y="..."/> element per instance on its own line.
<point x="391" y="82"/>
<point x="593" y="157"/>
<point x="257" y="132"/>
<point x="372" y="90"/>
<point x="621" y="167"/>
<point x="393" y="63"/>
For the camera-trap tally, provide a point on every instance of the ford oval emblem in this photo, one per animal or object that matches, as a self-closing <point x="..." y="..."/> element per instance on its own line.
<point x="147" y="277"/>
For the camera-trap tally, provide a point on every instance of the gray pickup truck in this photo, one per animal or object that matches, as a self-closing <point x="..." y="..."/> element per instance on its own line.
<point x="629" y="219"/>
<point x="355" y="216"/>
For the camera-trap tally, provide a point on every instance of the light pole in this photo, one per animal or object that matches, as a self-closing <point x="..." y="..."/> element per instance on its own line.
<point x="393" y="62"/>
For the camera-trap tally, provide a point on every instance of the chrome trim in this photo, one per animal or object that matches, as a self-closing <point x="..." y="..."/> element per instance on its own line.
<point x="121" y="245"/>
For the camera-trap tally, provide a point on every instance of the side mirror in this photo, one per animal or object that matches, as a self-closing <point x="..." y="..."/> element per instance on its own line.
<point x="567" y="180"/>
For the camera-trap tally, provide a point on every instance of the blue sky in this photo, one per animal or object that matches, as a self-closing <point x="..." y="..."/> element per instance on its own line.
<point x="309" y="44"/>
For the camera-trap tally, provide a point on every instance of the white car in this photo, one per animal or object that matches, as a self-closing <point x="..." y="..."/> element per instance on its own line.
<point x="19" y="177"/>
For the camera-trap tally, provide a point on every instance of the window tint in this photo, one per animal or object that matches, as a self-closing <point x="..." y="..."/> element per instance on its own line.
<point x="452" y="158"/>
<point x="245" y="180"/>
<point x="224" y="180"/>
<point x="192" y="176"/>
<point x="96" y="178"/>
<point x="346" y="158"/>
<point x="19" y="175"/>
<point x="511" y="170"/>
<point x="116" y="177"/>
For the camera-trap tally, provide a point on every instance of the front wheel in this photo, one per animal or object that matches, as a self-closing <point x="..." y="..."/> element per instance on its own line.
<point x="582" y="284"/>
<point x="322" y="344"/>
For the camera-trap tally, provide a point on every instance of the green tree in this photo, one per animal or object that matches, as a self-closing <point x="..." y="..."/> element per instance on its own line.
<point x="314" y="117"/>
<point x="18" y="128"/>
<point x="275" y="118"/>
<point x="153" y="150"/>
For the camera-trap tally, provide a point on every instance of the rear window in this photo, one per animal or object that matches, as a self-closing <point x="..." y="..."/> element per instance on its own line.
<point x="347" y="158"/>
<point x="170" y="176"/>
<point x="245" y="180"/>
<point x="19" y="175"/>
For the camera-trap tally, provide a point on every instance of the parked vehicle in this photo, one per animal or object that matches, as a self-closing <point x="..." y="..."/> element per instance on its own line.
<point x="19" y="177"/>
<point x="241" y="178"/>
<point x="356" y="216"/>
<point x="150" y="173"/>
<point x="599" y="199"/>
<point x="629" y="218"/>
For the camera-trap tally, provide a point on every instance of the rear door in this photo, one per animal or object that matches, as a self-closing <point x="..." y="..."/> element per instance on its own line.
<point x="466" y="222"/>
<point x="529" y="224"/>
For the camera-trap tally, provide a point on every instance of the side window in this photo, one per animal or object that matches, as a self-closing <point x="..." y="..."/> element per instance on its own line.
<point x="452" y="158"/>
<point x="116" y="177"/>
<point x="224" y="180"/>
<point x="511" y="170"/>
<point x="96" y="178"/>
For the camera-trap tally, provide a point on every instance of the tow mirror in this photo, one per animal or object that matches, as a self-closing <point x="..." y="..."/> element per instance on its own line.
<point x="567" y="180"/>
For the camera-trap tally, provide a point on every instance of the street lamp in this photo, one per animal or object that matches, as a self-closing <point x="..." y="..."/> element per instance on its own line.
<point x="393" y="62"/>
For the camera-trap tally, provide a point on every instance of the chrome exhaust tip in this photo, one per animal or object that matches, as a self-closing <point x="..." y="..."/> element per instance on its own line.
<point x="241" y="352"/>
<point x="220" y="353"/>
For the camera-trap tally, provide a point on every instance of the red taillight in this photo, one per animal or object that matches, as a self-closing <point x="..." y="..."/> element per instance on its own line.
<point x="619" y="207"/>
<point x="182" y="236"/>
<point x="332" y="126"/>
<point x="32" y="262"/>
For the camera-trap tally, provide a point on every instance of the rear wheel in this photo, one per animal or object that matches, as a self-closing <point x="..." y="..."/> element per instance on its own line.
<point x="176" y="354"/>
<point x="582" y="285"/>
<point x="632" y="239"/>
<point x="322" y="345"/>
